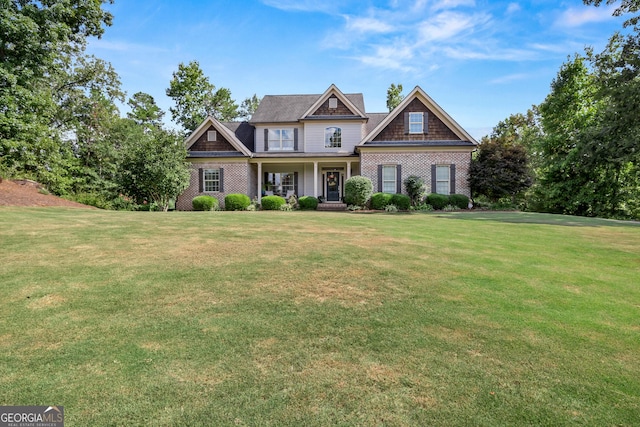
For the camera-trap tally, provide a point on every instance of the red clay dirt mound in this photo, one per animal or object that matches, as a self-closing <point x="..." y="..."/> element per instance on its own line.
<point x="25" y="193"/>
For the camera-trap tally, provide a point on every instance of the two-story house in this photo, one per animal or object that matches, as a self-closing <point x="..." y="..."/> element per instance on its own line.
<point x="311" y="144"/>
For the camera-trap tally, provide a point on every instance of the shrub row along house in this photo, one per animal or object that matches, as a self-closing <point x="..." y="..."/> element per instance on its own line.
<point x="310" y="144"/>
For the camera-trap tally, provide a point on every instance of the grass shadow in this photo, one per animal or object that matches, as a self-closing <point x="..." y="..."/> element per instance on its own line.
<point x="515" y="217"/>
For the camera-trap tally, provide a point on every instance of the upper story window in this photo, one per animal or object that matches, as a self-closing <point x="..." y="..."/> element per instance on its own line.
<point x="281" y="139"/>
<point x="212" y="135"/>
<point x="416" y="123"/>
<point x="333" y="102"/>
<point x="332" y="137"/>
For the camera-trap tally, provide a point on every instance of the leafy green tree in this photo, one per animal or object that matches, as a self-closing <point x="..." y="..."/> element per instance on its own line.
<point x="37" y="40"/>
<point x="154" y="166"/>
<point x="415" y="188"/>
<point x="394" y="96"/>
<point x="196" y="98"/>
<point x="249" y="106"/>
<point x="145" y="111"/>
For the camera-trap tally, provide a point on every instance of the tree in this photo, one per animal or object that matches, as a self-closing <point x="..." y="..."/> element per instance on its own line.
<point x="500" y="169"/>
<point x="415" y="187"/>
<point x="145" y="111"/>
<point x="196" y="98"/>
<point x="249" y="106"/>
<point x="394" y="96"/>
<point x="38" y="39"/>
<point x="153" y="166"/>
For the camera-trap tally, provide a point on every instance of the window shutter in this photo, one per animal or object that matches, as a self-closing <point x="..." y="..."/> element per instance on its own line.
<point x="295" y="180"/>
<point x="379" y="178"/>
<point x="425" y="123"/>
<point x="221" y="175"/>
<point x="399" y="179"/>
<point x="452" y="179"/>
<point x="200" y="180"/>
<point x="433" y="178"/>
<point x="266" y="140"/>
<point x="406" y="123"/>
<point x="295" y="139"/>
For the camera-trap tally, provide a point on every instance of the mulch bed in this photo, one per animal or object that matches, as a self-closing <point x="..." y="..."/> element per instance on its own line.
<point x="27" y="193"/>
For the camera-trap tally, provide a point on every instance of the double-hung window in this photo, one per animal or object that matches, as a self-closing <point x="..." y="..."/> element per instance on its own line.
<point x="389" y="184"/>
<point x="332" y="137"/>
<point x="281" y="139"/>
<point x="416" y="122"/>
<point x="443" y="179"/>
<point x="211" y="179"/>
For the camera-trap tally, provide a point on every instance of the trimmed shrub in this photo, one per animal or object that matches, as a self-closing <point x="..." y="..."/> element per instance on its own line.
<point x="438" y="201"/>
<point x="391" y="208"/>
<point x="401" y="201"/>
<point x="204" y="203"/>
<point x="236" y="202"/>
<point x="308" y="203"/>
<point x="379" y="201"/>
<point x="272" y="203"/>
<point x="459" y="200"/>
<point x="357" y="190"/>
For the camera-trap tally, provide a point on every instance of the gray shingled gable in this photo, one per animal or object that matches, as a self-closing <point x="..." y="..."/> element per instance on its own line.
<point x="290" y="108"/>
<point x="244" y="132"/>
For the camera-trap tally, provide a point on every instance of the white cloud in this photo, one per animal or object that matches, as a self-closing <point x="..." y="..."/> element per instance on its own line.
<point x="326" y="6"/>
<point x="394" y="57"/>
<point x="513" y="8"/>
<point x="578" y="16"/>
<point x="367" y="25"/>
<point x="509" y="78"/>
<point x="452" y="4"/>
<point x="445" y="25"/>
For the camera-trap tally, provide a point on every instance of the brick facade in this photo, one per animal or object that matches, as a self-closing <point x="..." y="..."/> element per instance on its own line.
<point x="236" y="179"/>
<point x="436" y="129"/>
<point x="418" y="163"/>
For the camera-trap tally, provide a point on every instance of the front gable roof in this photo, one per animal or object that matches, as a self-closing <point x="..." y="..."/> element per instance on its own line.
<point x="293" y="108"/>
<point x="333" y="90"/>
<point x="223" y="130"/>
<point x="420" y="95"/>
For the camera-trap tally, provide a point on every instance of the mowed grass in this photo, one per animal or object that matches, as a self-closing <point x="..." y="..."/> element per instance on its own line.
<point x="305" y="318"/>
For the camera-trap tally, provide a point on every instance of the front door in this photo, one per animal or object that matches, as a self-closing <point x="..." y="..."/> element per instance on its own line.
<point x="333" y="186"/>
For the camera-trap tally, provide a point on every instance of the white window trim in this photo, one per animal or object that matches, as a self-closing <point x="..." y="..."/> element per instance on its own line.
<point x="395" y="178"/>
<point x="413" y="122"/>
<point x="215" y="183"/>
<point x="326" y="140"/>
<point x="280" y="147"/>
<point x="212" y="135"/>
<point x="447" y="181"/>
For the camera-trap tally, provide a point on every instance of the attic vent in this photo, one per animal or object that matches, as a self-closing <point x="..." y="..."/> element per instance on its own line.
<point x="333" y="102"/>
<point x="212" y="135"/>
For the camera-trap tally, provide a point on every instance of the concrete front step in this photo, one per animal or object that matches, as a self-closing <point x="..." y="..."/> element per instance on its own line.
<point x="332" y="206"/>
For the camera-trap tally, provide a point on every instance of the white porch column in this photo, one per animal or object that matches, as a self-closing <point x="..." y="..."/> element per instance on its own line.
<point x="315" y="179"/>
<point x="259" y="181"/>
<point x="348" y="169"/>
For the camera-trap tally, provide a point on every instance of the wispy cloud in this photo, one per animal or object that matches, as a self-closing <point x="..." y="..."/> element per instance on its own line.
<point x="367" y="25"/>
<point x="509" y="78"/>
<point x="513" y="8"/>
<point x="579" y="16"/>
<point x="120" y="46"/>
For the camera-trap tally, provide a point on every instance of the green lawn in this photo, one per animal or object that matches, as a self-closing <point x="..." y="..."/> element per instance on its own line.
<point x="306" y="318"/>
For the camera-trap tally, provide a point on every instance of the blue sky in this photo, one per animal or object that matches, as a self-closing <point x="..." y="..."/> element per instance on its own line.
<point x="480" y="60"/>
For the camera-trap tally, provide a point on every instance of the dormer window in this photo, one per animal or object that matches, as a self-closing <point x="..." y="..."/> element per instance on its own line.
<point x="212" y="135"/>
<point x="333" y="102"/>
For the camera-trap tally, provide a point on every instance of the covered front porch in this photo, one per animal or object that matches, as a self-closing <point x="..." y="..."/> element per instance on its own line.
<point x="320" y="177"/>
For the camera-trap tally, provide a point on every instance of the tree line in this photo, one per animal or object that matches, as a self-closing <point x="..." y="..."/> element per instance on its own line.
<point x="575" y="153"/>
<point x="59" y="120"/>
